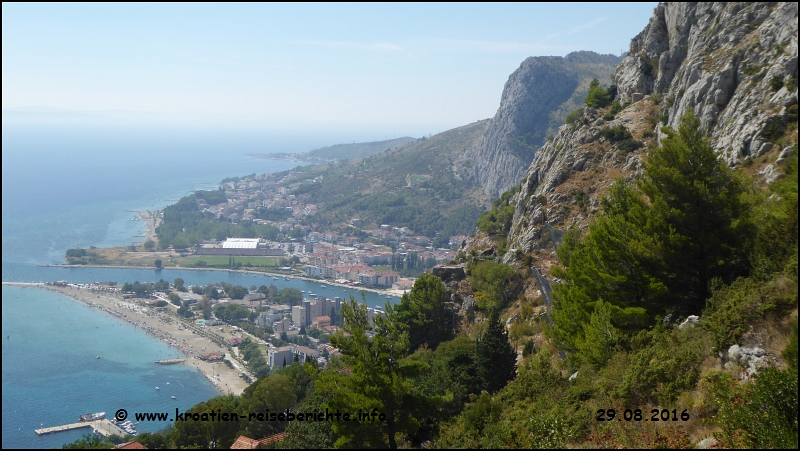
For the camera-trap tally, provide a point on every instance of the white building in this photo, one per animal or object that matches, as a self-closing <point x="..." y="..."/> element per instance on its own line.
<point x="240" y="243"/>
<point x="299" y="315"/>
<point x="313" y="271"/>
<point x="280" y="357"/>
<point x="267" y="318"/>
<point x="302" y="352"/>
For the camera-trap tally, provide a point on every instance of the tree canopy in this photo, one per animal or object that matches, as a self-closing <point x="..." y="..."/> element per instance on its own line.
<point x="653" y="250"/>
<point x="422" y="312"/>
<point x="378" y="376"/>
<point x="495" y="359"/>
<point x="599" y="97"/>
<point x="698" y="212"/>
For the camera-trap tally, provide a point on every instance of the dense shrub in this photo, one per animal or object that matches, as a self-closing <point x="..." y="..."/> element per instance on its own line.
<point x="497" y="221"/>
<point x="629" y="144"/>
<point x="732" y="309"/>
<point x="496" y="284"/>
<point x="776" y="83"/>
<point x="76" y="253"/>
<point x="598" y="97"/>
<point x="622" y="137"/>
<point x="665" y="365"/>
<point x="616" y="134"/>
<point x="760" y="414"/>
<point x="574" y="116"/>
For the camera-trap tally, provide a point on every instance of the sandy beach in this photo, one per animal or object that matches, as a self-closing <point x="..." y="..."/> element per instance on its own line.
<point x="166" y="327"/>
<point x="152" y="220"/>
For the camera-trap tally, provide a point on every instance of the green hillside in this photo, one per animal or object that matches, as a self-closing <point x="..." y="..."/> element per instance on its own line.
<point x="413" y="186"/>
<point x="339" y="152"/>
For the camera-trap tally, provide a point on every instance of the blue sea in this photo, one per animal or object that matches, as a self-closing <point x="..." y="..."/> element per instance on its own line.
<point x="75" y="186"/>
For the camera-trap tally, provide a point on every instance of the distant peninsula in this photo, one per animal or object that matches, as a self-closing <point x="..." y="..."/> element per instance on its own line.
<point x="339" y="152"/>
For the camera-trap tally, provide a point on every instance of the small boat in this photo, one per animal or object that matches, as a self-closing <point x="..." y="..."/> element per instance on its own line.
<point x="91" y="417"/>
<point x="172" y="397"/>
<point x="158" y="388"/>
<point x="167" y="383"/>
<point x="275" y="278"/>
<point x="97" y="357"/>
<point x="303" y="291"/>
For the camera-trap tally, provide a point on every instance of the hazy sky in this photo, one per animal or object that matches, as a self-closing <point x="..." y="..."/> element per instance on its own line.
<point x="404" y="67"/>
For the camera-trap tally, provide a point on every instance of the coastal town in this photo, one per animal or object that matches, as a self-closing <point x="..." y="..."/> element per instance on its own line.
<point x="284" y="334"/>
<point x="375" y="256"/>
<point x="283" y="331"/>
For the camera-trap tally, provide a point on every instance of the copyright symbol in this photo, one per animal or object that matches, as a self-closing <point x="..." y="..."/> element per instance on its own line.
<point x="121" y="414"/>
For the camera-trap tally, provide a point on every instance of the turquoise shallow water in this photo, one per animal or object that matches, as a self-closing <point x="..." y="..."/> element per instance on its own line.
<point x="51" y="375"/>
<point x="71" y="187"/>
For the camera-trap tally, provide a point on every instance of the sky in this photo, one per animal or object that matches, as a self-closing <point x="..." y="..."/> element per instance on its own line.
<point x="405" y="68"/>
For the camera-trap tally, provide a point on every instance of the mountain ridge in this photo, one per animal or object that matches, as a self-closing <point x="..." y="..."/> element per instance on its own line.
<point x="532" y="102"/>
<point x="672" y="67"/>
<point x="339" y="152"/>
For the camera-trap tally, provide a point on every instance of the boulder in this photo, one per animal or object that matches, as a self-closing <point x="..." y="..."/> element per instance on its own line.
<point x="707" y="443"/>
<point x="690" y="321"/>
<point x="574" y="376"/>
<point x="769" y="174"/>
<point x="753" y="360"/>
<point x="448" y="273"/>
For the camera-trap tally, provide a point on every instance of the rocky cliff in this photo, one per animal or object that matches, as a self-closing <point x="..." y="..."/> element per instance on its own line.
<point x="734" y="64"/>
<point x="535" y="100"/>
<point x="571" y="173"/>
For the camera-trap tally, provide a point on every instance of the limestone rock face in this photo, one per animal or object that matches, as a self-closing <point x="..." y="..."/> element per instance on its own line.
<point x="530" y="97"/>
<point x="735" y="64"/>
<point x="752" y="360"/>
<point x="576" y="151"/>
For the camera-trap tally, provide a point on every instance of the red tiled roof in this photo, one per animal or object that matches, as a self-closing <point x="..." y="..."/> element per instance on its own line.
<point x="245" y="443"/>
<point x="130" y="445"/>
<point x="273" y="439"/>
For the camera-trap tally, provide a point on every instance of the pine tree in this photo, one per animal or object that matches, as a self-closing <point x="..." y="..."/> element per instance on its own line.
<point x="699" y="214"/>
<point x="495" y="359"/>
<point x="422" y="312"/>
<point x="614" y="263"/>
<point x="597" y="97"/>
<point x="647" y="257"/>
<point x="380" y="377"/>
<point x="600" y="337"/>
